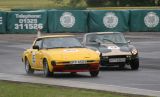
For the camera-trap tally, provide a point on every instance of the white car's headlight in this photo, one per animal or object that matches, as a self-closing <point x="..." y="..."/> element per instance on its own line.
<point x="134" y="51"/>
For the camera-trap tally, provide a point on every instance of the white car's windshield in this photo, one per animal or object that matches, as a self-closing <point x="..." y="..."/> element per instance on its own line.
<point x="65" y="42"/>
<point x="106" y="38"/>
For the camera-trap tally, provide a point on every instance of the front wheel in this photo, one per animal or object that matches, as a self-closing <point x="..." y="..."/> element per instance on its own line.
<point x="135" y="64"/>
<point x="28" y="68"/>
<point x="94" y="73"/>
<point x="46" y="71"/>
<point x="73" y="73"/>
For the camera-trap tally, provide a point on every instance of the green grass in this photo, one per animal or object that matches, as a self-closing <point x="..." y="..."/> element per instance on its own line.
<point x="48" y="4"/>
<point x="37" y="4"/>
<point x="15" y="89"/>
<point x="9" y="4"/>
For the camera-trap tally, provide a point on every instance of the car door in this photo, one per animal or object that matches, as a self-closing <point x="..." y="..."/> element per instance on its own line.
<point x="39" y="60"/>
<point x="36" y="54"/>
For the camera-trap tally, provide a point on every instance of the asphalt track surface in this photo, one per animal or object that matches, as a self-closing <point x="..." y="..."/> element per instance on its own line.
<point x="147" y="77"/>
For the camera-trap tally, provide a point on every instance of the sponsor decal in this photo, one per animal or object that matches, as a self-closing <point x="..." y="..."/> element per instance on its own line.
<point x="67" y="20"/>
<point x="28" y="21"/>
<point x="1" y="20"/>
<point x="110" y="20"/>
<point x="113" y="47"/>
<point x="71" y="50"/>
<point x="33" y="58"/>
<point x="151" y="20"/>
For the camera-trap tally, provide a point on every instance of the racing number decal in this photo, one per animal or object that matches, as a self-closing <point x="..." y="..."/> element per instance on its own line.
<point x="33" y="58"/>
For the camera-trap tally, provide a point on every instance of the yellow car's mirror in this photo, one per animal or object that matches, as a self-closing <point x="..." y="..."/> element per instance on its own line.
<point x="36" y="47"/>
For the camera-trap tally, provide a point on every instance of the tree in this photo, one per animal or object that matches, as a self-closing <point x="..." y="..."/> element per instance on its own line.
<point x="137" y="3"/>
<point x="78" y="3"/>
<point x="102" y="3"/>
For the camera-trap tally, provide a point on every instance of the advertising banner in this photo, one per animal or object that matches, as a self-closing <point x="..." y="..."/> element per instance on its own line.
<point x="27" y="21"/>
<point x="104" y="21"/>
<point x="3" y="22"/>
<point x="145" y="21"/>
<point x="67" y="21"/>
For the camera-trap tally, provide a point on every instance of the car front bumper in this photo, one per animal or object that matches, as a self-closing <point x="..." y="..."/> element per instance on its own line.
<point x="76" y="67"/>
<point x="105" y="60"/>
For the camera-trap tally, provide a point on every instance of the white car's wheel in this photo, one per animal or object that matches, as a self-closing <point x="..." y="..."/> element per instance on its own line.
<point x="135" y="64"/>
<point x="73" y="73"/>
<point x="46" y="71"/>
<point x="28" y="68"/>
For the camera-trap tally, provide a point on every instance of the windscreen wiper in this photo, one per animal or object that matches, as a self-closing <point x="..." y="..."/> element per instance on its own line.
<point x="110" y="41"/>
<point x="76" y="47"/>
<point x="56" y="47"/>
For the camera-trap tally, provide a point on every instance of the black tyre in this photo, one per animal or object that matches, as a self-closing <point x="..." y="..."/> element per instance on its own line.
<point x="28" y="68"/>
<point x="46" y="71"/>
<point x="94" y="73"/>
<point x="73" y="73"/>
<point x="135" y="64"/>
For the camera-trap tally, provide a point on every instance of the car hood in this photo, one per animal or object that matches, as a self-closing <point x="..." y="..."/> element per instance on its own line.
<point x="115" y="49"/>
<point x="70" y="54"/>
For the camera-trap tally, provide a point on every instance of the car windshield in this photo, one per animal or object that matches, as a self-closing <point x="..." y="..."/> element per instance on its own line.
<point x="106" y="38"/>
<point x="65" y="42"/>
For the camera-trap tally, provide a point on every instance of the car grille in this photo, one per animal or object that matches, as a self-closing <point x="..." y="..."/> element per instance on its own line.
<point x="118" y="56"/>
<point x="105" y="60"/>
<point x="76" y="66"/>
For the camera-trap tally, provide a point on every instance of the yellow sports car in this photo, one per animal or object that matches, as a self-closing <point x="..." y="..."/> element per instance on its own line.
<point x="60" y="53"/>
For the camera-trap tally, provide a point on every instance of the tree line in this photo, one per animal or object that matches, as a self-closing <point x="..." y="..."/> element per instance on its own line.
<point x="105" y="3"/>
<point x="122" y="3"/>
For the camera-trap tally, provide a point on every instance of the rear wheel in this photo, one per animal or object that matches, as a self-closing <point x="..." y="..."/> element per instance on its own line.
<point x="28" y="68"/>
<point x="46" y="71"/>
<point x="135" y="64"/>
<point x="73" y="73"/>
<point x="94" y="73"/>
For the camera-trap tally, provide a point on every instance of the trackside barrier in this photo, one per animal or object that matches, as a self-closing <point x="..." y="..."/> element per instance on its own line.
<point x="3" y="22"/>
<point x="67" y="21"/>
<point x="26" y="21"/>
<point x="52" y="21"/>
<point x="102" y="20"/>
<point x="145" y="20"/>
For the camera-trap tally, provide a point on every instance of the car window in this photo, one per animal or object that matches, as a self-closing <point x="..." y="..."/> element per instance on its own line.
<point x="105" y="38"/>
<point x="61" y="42"/>
<point x="39" y="43"/>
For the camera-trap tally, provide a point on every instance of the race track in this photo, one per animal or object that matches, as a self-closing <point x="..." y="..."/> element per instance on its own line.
<point x="147" y="77"/>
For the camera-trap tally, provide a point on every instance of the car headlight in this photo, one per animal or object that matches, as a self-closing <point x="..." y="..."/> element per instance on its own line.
<point x="134" y="51"/>
<point x="97" y="52"/>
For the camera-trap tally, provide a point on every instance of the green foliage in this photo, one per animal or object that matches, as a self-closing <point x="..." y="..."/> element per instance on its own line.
<point x="72" y="4"/>
<point x="137" y="3"/>
<point x="111" y="3"/>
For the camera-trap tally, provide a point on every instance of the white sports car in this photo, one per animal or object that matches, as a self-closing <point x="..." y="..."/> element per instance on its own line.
<point x="114" y="49"/>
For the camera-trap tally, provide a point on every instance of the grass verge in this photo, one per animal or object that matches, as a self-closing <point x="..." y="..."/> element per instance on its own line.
<point x="15" y="89"/>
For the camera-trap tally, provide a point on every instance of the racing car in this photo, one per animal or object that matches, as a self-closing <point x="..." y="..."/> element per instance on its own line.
<point x="60" y="53"/>
<point x="114" y="49"/>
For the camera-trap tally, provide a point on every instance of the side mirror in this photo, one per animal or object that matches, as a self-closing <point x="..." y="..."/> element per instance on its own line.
<point x="129" y="41"/>
<point x="36" y="47"/>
